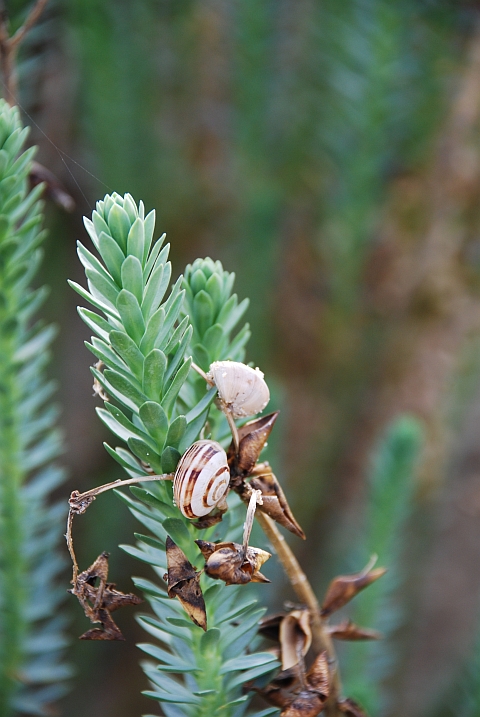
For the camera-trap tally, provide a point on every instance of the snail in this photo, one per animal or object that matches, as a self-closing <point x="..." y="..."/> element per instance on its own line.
<point x="242" y="390"/>
<point x="202" y="479"/>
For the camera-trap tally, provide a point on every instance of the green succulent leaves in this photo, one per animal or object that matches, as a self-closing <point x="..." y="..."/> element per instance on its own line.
<point x="32" y="638"/>
<point x="194" y="673"/>
<point x="214" y="313"/>
<point x="140" y="337"/>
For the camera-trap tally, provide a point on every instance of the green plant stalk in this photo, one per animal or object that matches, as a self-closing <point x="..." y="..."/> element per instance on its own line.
<point x="11" y="537"/>
<point x="390" y="500"/>
<point x="31" y="635"/>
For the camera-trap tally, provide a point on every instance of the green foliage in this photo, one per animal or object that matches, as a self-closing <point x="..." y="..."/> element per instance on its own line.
<point x="210" y="667"/>
<point x="139" y="338"/>
<point x="214" y="313"/>
<point x="391" y="487"/>
<point x="155" y="407"/>
<point x="32" y="668"/>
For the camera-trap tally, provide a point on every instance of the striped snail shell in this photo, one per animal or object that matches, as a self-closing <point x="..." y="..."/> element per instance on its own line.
<point x="201" y="480"/>
<point x="242" y="390"/>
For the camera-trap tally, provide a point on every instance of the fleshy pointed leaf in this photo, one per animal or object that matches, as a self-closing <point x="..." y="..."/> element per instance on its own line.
<point x="131" y="315"/>
<point x="154" y="368"/>
<point x="132" y="276"/>
<point x="119" y="225"/>
<point x="155" y="421"/>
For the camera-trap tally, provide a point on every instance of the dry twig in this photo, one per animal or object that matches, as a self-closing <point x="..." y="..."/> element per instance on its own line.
<point x="79" y="503"/>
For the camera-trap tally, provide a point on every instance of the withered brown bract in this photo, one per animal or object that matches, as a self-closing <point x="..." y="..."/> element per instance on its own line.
<point x="252" y="438"/>
<point x="243" y="464"/>
<point x="350" y="708"/>
<point x="275" y="503"/>
<point x="233" y="564"/>
<point x="99" y="601"/>
<point x="343" y="588"/>
<point x="318" y="676"/>
<point x="347" y="630"/>
<point x="184" y="583"/>
<point x="295" y="637"/>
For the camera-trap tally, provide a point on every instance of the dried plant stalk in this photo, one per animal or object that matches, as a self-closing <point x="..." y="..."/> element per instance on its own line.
<point x="321" y="639"/>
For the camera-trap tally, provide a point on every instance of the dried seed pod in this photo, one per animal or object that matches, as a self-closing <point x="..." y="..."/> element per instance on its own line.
<point x="274" y="694"/>
<point x="232" y="564"/>
<point x="299" y="694"/>
<point x="201" y="480"/>
<point x="252" y="438"/>
<point x="242" y="390"/>
<point x="269" y="626"/>
<point x="274" y="501"/>
<point x="305" y="704"/>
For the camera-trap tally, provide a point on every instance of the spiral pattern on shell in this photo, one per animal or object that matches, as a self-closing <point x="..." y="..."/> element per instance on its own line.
<point x="201" y="480"/>
<point x="242" y="390"/>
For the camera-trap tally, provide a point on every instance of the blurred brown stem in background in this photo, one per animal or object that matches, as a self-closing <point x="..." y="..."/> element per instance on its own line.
<point x="9" y="46"/>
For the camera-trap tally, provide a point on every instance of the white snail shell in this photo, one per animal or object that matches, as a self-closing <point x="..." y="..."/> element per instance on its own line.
<point x="201" y="480"/>
<point x="241" y="389"/>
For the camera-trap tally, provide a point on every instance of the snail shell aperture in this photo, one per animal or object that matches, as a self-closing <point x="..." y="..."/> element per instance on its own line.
<point x="242" y="390"/>
<point x="201" y="480"/>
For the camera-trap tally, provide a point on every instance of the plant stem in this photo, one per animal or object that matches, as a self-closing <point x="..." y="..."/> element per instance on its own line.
<point x="321" y="640"/>
<point x="77" y="499"/>
<point x="79" y="503"/>
<point x="202" y="373"/>
<point x="12" y="593"/>
<point x="30" y="21"/>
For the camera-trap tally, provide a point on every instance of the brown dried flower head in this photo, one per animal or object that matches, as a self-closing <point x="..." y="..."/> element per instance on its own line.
<point x="99" y="600"/>
<point x="233" y="564"/>
<point x="298" y="694"/>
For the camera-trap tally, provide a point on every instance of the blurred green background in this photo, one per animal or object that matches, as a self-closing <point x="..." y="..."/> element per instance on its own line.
<point x="329" y="153"/>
